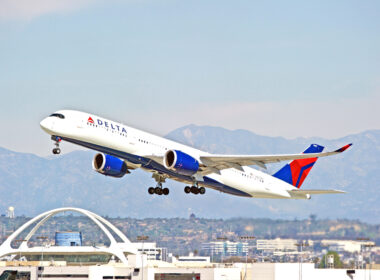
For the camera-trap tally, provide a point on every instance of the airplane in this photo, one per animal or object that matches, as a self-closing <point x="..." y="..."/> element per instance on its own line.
<point x="122" y="148"/>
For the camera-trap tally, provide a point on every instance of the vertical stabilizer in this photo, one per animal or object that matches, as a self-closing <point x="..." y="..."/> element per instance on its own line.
<point x="296" y="172"/>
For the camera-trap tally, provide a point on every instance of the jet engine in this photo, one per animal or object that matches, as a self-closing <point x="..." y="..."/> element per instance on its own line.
<point x="109" y="165"/>
<point x="180" y="162"/>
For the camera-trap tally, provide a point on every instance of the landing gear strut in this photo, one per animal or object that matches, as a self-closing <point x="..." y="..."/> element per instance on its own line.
<point x="56" y="140"/>
<point x="195" y="189"/>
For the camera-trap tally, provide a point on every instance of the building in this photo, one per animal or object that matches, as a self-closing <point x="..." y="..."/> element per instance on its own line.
<point x="151" y="251"/>
<point x="68" y="258"/>
<point x="68" y="238"/>
<point x="191" y="259"/>
<point x="306" y="271"/>
<point x="124" y="260"/>
<point x="123" y="251"/>
<point x="241" y="271"/>
<point x="278" y="244"/>
<point x="115" y="272"/>
<point x="225" y="248"/>
<point x="352" y="246"/>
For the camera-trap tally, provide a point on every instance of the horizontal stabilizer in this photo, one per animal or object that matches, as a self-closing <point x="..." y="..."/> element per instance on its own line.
<point x="315" y="191"/>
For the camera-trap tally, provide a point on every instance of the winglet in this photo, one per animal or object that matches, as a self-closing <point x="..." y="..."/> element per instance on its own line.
<point x="341" y="150"/>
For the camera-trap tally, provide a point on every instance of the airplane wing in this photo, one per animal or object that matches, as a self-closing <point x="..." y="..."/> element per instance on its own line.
<point x="215" y="163"/>
<point x="315" y="191"/>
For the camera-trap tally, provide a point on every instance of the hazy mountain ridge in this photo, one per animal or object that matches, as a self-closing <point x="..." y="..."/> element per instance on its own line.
<point x="33" y="184"/>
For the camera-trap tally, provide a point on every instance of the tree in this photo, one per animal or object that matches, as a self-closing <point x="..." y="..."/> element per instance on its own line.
<point x="337" y="261"/>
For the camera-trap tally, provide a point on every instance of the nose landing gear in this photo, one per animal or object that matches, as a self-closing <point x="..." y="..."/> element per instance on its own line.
<point x="56" y="140"/>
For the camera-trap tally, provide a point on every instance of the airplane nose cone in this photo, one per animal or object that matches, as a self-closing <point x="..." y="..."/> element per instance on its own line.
<point x="46" y="124"/>
<point x="43" y="123"/>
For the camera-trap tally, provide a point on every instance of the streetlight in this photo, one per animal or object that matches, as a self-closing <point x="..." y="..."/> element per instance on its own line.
<point x="361" y="249"/>
<point x="142" y="238"/>
<point x="42" y="238"/>
<point x="300" y="245"/>
<point x="370" y="259"/>
<point x="246" y="253"/>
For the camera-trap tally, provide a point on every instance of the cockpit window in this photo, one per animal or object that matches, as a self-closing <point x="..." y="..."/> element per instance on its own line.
<point x="57" y="115"/>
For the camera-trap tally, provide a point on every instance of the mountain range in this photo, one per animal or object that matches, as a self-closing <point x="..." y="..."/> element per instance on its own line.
<point x="34" y="184"/>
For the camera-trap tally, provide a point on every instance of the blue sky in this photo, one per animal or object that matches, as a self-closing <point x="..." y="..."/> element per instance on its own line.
<point x="278" y="68"/>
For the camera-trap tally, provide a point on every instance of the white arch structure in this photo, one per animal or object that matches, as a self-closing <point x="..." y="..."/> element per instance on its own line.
<point x="118" y="249"/>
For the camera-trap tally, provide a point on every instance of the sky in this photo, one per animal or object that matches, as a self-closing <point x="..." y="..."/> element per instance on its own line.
<point x="277" y="68"/>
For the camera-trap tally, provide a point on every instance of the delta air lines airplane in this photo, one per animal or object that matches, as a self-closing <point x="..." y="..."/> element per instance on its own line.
<point x="122" y="149"/>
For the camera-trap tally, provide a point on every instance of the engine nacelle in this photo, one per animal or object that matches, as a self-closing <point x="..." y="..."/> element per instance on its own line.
<point x="109" y="165"/>
<point x="180" y="162"/>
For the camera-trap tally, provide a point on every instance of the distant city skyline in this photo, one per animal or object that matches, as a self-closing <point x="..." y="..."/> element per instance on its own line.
<point x="291" y="69"/>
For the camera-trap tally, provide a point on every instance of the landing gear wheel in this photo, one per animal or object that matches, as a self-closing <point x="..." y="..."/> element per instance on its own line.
<point x="194" y="190"/>
<point x="165" y="191"/>
<point x="56" y="151"/>
<point x="202" y="190"/>
<point x="151" y="190"/>
<point x="187" y="189"/>
<point x="158" y="191"/>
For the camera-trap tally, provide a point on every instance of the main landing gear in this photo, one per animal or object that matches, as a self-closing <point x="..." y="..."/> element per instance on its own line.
<point x="158" y="189"/>
<point x="56" y="140"/>
<point x="195" y="189"/>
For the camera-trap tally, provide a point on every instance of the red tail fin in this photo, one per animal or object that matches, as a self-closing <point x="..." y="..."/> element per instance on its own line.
<point x="296" y="172"/>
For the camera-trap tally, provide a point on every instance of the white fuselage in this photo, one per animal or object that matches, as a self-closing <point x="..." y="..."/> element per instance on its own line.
<point x="133" y="145"/>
